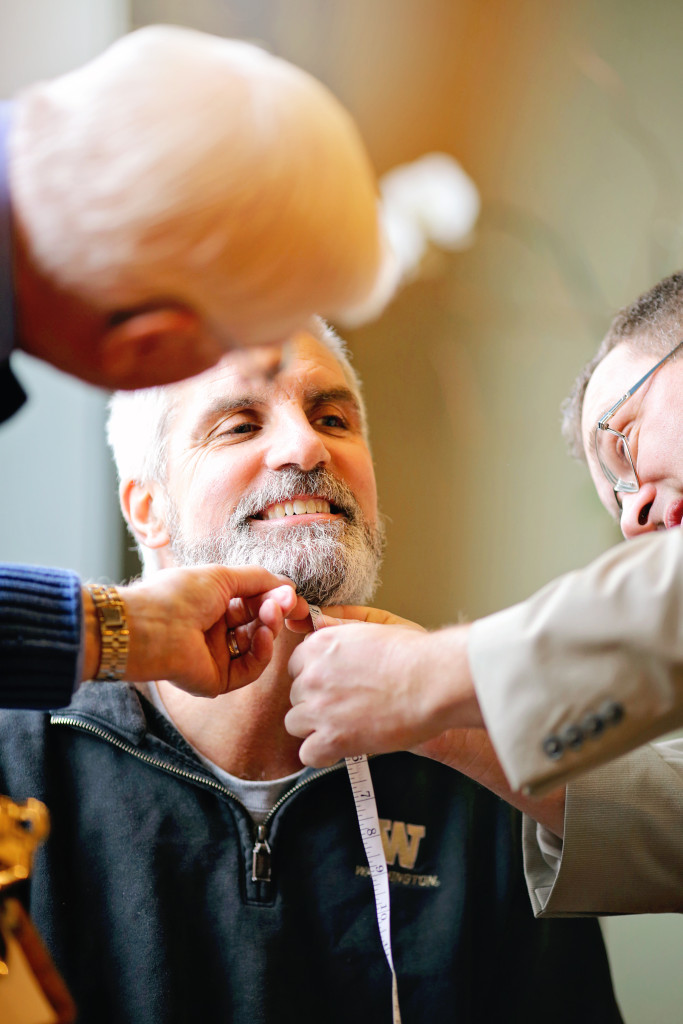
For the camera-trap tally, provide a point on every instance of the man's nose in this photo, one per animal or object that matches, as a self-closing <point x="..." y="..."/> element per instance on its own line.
<point x="636" y="516"/>
<point x="295" y="442"/>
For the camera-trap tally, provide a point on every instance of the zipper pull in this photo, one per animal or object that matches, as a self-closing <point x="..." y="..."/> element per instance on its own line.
<point x="260" y="857"/>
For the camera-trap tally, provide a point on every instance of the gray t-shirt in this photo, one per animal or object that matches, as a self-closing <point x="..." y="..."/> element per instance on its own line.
<point x="259" y="797"/>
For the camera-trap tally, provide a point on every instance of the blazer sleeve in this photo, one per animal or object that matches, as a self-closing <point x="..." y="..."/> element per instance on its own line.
<point x="623" y="844"/>
<point x="40" y="636"/>
<point x="587" y="669"/>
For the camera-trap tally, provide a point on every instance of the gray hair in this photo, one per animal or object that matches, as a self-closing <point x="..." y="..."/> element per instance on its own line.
<point x="179" y="166"/>
<point x="652" y="324"/>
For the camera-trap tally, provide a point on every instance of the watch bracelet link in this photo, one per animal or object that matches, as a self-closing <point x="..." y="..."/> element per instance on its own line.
<point x="114" y="631"/>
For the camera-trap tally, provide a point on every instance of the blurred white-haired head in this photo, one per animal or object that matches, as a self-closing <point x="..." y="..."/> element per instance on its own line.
<point x="202" y="171"/>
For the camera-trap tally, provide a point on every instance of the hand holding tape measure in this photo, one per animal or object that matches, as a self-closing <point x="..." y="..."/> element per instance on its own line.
<point x="368" y="823"/>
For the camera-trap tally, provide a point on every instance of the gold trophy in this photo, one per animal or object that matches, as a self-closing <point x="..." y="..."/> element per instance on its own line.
<point x="31" y="990"/>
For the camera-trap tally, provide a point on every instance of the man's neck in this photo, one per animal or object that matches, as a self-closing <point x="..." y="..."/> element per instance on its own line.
<point x="243" y="731"/>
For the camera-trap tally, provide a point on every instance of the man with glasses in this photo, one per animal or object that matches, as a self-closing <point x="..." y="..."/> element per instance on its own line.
<point x="612" y="449"/>
<point x="586" y="670"/>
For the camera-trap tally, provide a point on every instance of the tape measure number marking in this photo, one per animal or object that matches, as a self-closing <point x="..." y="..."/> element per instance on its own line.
<point x="363" y="791"/>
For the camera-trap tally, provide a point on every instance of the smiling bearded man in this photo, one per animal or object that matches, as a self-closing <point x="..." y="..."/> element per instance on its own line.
<point x="190" y="848"/>
<point x="275" y="482"/>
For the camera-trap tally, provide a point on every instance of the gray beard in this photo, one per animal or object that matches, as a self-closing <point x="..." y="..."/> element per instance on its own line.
<point x="329" y="563"/>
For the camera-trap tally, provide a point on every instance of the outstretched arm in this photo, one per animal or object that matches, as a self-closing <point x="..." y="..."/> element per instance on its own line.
<point x="178" y="622"/>
<point x="385" y="700"/>
<point x="582" y="672"/>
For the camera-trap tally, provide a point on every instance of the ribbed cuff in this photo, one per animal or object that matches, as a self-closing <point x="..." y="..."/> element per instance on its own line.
<point x="40" y="636"/>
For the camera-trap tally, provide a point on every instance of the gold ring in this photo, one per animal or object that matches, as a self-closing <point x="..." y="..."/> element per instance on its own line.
<point x="233" y="646"/>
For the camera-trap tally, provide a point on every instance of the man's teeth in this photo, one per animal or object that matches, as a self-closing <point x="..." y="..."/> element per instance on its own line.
<point x="297" y="508"/>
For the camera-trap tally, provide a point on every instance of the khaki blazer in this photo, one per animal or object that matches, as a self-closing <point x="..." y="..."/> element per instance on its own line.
<point x="583" y="673"/>
<point x="623" y="841"/>
<point x="587" y="669"/>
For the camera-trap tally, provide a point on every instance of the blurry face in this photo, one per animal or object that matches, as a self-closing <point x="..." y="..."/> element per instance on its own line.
<point x="652" y="420"/>
<point x="276" y="471"/>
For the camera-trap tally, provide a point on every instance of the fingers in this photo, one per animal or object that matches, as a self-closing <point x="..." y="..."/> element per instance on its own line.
<point x="245" y="617"/>
<point x="283" y="597"/>
<point x="353" y="612"/>
<point x="253" y="640"/>
<point x="251" y="580"/>
<point x="314" y="755"/>
<point x="294" y="607"/>
<point x="322" y="745"/>
<point x="314" y="751"/>
<point x="295" y="666"/>
<point x="339" y="708"/>
<point x="317" y="645"/>
<point x="267" y="612"/>
<point x="363" y="613"/>
<point x="288" y="600"/>
<point x="256" y="647"/>
<point x="299" y="615"/>
<point x="270" y="615"/>
<point x="179" y="622"/>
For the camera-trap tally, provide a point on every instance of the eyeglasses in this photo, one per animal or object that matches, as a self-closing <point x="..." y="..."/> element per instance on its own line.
<point x="611" y="446"/>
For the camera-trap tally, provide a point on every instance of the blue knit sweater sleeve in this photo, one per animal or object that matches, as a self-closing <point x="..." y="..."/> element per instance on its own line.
<point x="40" y="636"/>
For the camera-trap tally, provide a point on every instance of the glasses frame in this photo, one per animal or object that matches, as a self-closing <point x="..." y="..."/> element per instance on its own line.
<point x="618" y="485"/>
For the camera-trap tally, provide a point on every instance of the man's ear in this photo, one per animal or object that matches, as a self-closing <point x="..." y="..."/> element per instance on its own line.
<point x="144" y="507"/>
<point x="156" y="346"/>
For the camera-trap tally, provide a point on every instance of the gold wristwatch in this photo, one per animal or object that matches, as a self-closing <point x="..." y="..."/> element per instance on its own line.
<point x="114" y="632"/>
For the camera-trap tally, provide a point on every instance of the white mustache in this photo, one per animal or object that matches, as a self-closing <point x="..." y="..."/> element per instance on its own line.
<point x="288" y="484"/>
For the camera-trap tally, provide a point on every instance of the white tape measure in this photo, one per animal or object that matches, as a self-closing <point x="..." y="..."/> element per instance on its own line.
<point x="368" y="822"/>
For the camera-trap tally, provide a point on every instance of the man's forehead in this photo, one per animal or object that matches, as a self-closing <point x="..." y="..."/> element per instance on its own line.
<point x="611" y="379"/>
<point x="306" y="366"/>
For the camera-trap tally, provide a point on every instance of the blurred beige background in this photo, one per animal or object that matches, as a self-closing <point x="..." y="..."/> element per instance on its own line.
<point x="567" y="115"/>
<point x="556" y="112"/>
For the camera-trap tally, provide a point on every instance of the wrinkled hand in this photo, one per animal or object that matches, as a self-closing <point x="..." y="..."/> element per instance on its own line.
<point x="179" y="620"/>
<point x="372" y="688"/>
<point x="396" y="689"/>
<point x="469" y="751"/>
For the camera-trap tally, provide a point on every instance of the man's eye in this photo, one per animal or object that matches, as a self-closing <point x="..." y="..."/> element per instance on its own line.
<point x="238" y="430"/>
<point x="332" y="421"/>
<point x="622" y="448"/>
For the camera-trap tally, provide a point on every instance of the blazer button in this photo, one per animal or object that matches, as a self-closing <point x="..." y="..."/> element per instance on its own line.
<point x="611" y="712"/>
<point x="593" y="726"/>
<point x="572" y="737"/>
<point x="553" y="747"/>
